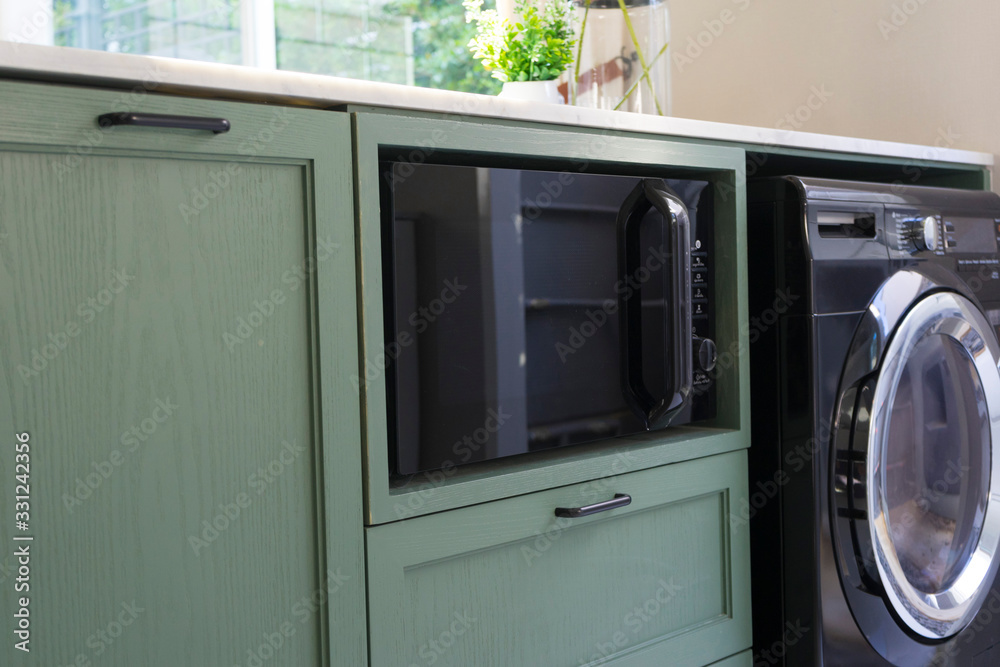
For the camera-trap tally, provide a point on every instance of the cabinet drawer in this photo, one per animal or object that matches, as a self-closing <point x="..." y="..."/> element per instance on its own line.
<point x="664" y="580"/>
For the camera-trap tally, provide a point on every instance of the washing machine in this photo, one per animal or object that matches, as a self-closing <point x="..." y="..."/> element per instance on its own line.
<point x="874" y="502"/>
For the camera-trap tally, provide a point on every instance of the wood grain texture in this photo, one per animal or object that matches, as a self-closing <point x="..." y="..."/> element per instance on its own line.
<point x="662" y="581"/>
<point x="419" y="138"/>
<point x="182" y="372"/>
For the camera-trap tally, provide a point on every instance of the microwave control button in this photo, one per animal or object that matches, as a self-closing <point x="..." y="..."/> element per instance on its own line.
<point x="704" y="353"/>
<point x="699" y="292"/>
<point x="698" y="277"/>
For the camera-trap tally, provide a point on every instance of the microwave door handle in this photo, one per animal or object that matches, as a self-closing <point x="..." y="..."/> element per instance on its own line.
<point x="680" y="296"/>
<point x="655" y="412"/>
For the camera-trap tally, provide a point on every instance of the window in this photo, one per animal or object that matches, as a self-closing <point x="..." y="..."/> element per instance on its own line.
<point x="412" y="42"/>
<point x="190" y="29"/>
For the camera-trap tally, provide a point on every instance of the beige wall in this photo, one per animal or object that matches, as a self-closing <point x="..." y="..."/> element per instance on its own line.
<point x="918" y="71"/>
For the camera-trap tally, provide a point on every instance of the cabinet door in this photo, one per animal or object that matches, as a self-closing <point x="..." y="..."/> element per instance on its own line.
<point x="177" y="328"/>
<point x="663" y="581"/>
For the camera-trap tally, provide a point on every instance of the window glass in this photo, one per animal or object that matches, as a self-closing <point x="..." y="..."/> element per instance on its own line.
<point x="413" y="42"/>
<point x="192" y="29"/>
<point x="410" y="42"/>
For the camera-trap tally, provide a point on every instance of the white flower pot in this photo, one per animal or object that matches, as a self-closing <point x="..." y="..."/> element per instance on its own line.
<point x="532" y="91"/>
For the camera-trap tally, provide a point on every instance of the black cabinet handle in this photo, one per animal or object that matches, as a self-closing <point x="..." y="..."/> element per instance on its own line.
<point x="655" y="411"/>
<point x="620" y="500"/>
<point x="216" y="125"/>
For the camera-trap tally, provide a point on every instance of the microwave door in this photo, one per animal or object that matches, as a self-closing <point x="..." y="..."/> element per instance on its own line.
<point x="656" y="409"/>
<point x="456" y="382"/>
<point x="504" y="337"/>
<point x="502" y="276"/>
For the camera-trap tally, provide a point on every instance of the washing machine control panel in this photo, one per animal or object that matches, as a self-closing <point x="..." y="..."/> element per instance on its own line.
<point x="972" y="240"/>
<point x="912" y="232"/>
<point x="924" y="233"/>
<point x="973" y="243"/>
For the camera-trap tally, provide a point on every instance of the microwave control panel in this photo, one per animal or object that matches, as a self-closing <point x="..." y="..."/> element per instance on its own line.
<point x="702" y="324"/>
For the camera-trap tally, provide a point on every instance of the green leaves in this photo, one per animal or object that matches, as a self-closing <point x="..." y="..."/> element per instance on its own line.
<point x="536" y="48"/>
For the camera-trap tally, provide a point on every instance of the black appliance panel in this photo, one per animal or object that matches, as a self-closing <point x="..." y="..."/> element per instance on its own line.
<point x="501" y="299"/>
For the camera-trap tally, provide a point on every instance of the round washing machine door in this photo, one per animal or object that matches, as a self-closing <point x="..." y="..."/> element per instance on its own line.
<point x="933" y="481"/>
<point x="922" y="471"/>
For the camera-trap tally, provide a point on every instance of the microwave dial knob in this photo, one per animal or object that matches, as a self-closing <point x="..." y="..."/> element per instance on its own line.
<point x="704" y="354"/>
<point x="925" y="233"/>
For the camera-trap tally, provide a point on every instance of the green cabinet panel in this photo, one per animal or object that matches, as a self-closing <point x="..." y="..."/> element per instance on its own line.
<point x="396" y="136"/>
<point x="664" y="581"/>
<point x="744" y="659"/>
<point x="177" y="330"/>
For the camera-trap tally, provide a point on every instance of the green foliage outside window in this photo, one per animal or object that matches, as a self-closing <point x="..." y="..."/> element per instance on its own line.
<point x="422" y="42"/>
<point x="441" y="58"/>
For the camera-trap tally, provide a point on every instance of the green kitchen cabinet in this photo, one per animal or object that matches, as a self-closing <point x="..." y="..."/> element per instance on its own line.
<point x="187" y="319"/>
<point x="177" y="330"/>
<point x="470" y="565"/>
<point x="663" y="581"/>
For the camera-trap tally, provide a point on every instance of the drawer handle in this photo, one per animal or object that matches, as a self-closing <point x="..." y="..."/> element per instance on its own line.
<point x="620" y="500"/>
<point x="216" y="125"/>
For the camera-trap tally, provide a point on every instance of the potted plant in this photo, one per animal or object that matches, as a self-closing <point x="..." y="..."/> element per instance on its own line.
<point x="527" y="55"/>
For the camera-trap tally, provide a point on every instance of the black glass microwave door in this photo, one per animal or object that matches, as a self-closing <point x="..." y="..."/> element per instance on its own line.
<point x="504" y="292"/>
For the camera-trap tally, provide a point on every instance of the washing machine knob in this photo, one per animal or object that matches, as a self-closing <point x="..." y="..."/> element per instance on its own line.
<point x="704" y="352"/>
<point x="925" y="233"/>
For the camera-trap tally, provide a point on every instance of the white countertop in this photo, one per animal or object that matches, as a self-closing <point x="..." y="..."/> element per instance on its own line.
<point x="60" y="64"/>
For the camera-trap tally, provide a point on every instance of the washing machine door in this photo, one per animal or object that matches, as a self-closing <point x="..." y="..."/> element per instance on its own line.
<point x="917" y="457"/>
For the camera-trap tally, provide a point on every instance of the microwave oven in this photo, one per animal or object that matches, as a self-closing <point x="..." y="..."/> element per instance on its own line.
<point x="527" y="309"/>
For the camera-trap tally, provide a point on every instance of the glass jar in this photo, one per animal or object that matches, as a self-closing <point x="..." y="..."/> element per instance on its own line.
<point x="622" y="56"/>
